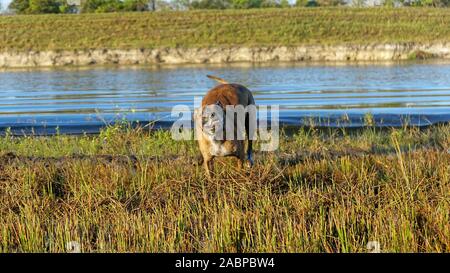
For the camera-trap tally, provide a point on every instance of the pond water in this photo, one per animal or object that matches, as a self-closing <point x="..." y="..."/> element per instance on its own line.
<point x="77" y="100"/>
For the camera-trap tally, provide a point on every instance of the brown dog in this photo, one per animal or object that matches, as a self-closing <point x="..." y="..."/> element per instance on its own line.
<point x="209" y="123"/>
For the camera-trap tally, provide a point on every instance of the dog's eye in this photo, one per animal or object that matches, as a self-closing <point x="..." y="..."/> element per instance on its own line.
<point x="213" y="115"/>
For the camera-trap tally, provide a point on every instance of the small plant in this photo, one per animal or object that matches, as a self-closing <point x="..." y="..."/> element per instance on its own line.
<point x="369" y="120"/>
<point x="420" y="55"/>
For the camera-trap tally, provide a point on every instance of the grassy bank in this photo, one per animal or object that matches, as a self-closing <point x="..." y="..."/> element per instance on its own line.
<point x="128" y="190"/>
<point x="261" y="27"/>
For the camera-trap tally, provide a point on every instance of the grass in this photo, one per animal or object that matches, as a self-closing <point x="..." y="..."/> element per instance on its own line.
<point x="258" y="27"/>
<point x="129" y="190"/>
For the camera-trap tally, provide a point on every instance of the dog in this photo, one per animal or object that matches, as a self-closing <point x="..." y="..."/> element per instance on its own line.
<point x="210" y="123"/>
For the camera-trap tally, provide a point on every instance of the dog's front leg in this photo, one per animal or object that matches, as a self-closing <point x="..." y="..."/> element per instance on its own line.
<point x="208" y="164"/>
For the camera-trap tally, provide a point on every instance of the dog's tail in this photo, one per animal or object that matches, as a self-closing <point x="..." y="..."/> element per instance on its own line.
<point x="220" y="80"/>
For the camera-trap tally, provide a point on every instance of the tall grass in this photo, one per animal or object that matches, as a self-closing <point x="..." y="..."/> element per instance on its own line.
<point x="257" y="27"/>
<point x="128" y="190"/>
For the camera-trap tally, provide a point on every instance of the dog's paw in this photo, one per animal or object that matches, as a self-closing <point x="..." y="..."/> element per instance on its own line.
<point x="249" y="163"/>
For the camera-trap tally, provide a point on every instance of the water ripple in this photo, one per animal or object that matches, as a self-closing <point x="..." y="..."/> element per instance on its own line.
<point x="64" y="97"/>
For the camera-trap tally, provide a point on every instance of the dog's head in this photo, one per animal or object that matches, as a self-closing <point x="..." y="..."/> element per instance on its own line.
<point x="212" y="120"/>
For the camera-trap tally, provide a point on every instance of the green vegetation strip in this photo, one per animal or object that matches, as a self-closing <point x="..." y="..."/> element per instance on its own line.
<point x="259" y="27"/>
<point x="129" y="190"/>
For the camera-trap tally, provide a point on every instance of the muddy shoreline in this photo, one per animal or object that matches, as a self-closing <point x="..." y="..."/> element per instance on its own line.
<point x="285" y="159"/>
<point x="174" y="56"/>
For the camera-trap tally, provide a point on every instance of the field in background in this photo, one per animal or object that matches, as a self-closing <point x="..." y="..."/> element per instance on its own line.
<point x="259" y="27"/>
<point x="323" y="191"/>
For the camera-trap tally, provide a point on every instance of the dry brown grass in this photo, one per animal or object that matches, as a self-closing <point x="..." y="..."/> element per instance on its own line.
<point x="323" y="191"/>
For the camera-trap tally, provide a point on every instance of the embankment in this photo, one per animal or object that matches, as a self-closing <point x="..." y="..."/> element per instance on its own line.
<point x="372" y="52"/>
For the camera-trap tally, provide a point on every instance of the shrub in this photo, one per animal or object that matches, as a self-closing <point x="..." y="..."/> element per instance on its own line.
<point x="19" y="6"/>
<point x="44" y="6"/>
<point x="135" y="5"/>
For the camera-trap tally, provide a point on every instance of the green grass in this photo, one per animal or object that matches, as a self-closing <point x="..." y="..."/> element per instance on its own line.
<point x="129" y="190"/>
<point x="259" y="27"/>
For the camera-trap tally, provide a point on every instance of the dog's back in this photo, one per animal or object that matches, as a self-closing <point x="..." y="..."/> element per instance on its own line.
<point x="229" y="94"/>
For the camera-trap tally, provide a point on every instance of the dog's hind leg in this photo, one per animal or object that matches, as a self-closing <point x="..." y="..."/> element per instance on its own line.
<point x="241" y="155"/>
<point x="250" y="153"/>
<point x="249" y="141"/>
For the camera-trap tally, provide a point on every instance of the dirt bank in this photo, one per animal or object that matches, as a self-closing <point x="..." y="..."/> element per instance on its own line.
<point x="374" y="52"/>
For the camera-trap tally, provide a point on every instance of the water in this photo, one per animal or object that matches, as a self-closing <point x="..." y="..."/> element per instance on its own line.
<point x="79" y="100"/>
